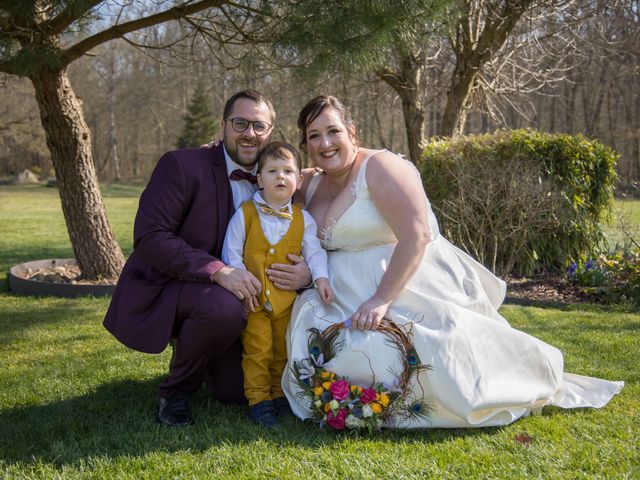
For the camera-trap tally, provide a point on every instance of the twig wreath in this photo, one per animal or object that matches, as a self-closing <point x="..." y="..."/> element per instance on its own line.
<point x="336" y="402"/>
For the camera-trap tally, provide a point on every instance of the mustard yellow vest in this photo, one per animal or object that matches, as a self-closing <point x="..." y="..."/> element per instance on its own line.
<point x="258" y="254"/>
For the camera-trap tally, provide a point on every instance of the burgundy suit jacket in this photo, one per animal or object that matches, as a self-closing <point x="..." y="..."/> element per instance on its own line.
<point x="178" y="234"/>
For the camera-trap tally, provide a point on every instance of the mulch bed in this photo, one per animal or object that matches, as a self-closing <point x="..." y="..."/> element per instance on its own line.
<point x="550" y="290"/>
<point x="69" y="274"/>
<point x="527" y="291"/>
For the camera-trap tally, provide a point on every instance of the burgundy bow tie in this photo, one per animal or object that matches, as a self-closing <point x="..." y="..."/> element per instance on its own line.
<point x="242" y="175"/>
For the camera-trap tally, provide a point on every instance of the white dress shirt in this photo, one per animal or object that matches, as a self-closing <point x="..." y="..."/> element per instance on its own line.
<point x="241" y="190"/>
<point x="274" y="229"/>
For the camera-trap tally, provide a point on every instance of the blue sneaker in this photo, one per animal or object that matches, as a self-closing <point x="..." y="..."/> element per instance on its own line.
<point x="264" y="413"/>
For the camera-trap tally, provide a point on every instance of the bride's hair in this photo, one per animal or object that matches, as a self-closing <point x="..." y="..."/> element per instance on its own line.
<point x="315" y="107"/>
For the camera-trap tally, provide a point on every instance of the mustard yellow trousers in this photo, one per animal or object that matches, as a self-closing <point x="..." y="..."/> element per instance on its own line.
<point x="264" y="354"/>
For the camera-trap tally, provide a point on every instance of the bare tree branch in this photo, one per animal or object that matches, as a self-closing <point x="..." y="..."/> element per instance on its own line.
<point x="71" y="13"/>
<point x="117" y="31"/>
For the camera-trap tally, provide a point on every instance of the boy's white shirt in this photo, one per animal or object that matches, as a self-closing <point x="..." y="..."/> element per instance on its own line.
<point x="274" y="229"/>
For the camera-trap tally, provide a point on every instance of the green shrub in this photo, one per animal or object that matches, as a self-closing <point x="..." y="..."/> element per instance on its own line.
<point x="520" y="201"/>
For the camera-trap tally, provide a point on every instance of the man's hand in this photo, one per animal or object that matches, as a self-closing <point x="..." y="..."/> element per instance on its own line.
<point x="238" y="281"/>
<point x="292" y="276"/>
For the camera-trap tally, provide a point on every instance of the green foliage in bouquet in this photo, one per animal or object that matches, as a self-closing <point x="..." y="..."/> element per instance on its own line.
<point x="519" y="200"/>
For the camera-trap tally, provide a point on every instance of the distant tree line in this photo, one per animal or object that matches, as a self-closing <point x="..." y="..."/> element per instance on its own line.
<point x="135" y="101"/>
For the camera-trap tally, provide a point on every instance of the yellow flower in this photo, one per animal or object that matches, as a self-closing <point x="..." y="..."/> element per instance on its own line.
<point x="317" y="391"/>
<point x="376" y="407"/>
<point x="325" y="374"/>
<point x="356" y="390"/>
<point x="384" y="399"/>
<point x="326" y="385"/>
<point x="327" y="407"/>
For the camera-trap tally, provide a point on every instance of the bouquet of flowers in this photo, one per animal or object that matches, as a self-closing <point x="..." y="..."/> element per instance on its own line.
<point x="338" y="403"/>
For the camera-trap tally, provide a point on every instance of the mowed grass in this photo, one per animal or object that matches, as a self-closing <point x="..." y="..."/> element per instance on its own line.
<point x="74" y="403"/>
<point x="626" y="214"/>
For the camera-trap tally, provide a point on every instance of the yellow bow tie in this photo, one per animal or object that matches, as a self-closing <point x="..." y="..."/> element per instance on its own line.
<point x="269" y="210"/>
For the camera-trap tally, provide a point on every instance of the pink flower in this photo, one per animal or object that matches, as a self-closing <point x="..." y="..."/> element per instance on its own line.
<point x="368" y="395"/>
<point x="338" y="420"/>
<point x="340" y="390"/>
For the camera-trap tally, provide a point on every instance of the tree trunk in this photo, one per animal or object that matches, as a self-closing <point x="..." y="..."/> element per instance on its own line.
<point x="413" y="121"/>
<point x="111" y="93"/>
<point x="69" y="141"/>
<point x="455" y="111"/>
<point x="406" y="82"/>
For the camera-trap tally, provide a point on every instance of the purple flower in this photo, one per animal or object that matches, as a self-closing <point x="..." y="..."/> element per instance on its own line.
<point x="347" y="323"/>
<point x="589" y="265"/>
<point x="573" y="268"/>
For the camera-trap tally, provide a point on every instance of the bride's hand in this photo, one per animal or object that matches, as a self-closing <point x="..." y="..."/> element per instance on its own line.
<point x="370" y="314"/>
<point x="213" y="143"/>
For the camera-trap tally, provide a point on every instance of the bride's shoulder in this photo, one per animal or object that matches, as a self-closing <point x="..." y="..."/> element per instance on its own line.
<point x="383" y="163"/>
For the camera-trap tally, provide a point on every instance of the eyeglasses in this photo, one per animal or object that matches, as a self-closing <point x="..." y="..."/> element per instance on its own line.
<point x="240" y="124"/>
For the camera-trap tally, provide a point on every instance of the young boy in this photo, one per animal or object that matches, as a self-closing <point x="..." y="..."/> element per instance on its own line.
<point x="262" y="232"/>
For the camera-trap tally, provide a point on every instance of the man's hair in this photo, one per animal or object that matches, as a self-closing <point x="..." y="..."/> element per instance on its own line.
<point x="251" y="95"/>
<point x="279" y="150"/>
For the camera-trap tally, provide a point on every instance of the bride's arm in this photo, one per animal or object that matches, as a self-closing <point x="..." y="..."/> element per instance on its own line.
<point x="397" y="192"/>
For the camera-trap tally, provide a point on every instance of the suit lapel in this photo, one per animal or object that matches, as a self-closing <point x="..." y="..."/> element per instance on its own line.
<point x="224" y="200"/>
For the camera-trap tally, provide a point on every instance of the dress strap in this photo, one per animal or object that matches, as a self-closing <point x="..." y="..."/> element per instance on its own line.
<point x="311" y="188"/>
<point x="360" y="180"/>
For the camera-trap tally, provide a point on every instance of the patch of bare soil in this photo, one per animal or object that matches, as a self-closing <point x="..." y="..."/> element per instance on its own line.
<point x="544" y="289"/>
<point x="62" y="274"/>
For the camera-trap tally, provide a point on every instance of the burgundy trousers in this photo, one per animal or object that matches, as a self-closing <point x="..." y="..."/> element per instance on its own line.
<point x="206" y="343"/>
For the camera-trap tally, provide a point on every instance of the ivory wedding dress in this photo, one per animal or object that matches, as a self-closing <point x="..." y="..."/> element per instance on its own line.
<point x="484" y="372"/>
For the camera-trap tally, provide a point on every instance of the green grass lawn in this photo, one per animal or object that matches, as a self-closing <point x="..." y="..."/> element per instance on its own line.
<point x="74" y="403"/>
<point x="626" y="211"/>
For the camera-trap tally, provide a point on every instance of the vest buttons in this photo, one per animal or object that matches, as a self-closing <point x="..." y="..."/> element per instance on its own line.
<point x="268" y="292"/>
<point x="272" y="250"/>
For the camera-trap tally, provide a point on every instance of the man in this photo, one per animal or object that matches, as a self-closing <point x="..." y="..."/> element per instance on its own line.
<point x="174" y="287"/>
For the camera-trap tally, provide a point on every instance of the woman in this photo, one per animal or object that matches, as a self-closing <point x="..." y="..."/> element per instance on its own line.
<point x="387" y="260"/>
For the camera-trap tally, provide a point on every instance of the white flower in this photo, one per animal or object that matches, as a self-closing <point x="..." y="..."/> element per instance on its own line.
<point x="334" y="404"/>
<point x="366" y="411"/>
<point x="306" y="370"/>
<point x="318" y="403"/>
<point x="319" y="361"/>
<point x="353" y="422"/>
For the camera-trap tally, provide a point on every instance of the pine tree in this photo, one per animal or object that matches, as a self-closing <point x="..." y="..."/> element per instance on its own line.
<point x="199" y="124"/>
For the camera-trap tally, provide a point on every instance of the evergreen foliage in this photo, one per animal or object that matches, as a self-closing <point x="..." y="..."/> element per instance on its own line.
<point x="352" y="35"/>
<point x="521" y="201"/>
<point x="199" y="124"/>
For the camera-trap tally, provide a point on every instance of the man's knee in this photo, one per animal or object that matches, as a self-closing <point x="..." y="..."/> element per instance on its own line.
<point x="215" y="307"/>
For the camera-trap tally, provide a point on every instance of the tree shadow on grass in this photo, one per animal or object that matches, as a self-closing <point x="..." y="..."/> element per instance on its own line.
<point x="117" y="420"/>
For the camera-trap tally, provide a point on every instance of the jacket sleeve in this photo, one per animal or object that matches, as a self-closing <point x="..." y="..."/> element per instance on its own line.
<point x="163" y="206"/>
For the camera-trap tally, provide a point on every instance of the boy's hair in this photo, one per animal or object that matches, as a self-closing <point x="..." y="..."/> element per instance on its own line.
<point x="279" y="150"/>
